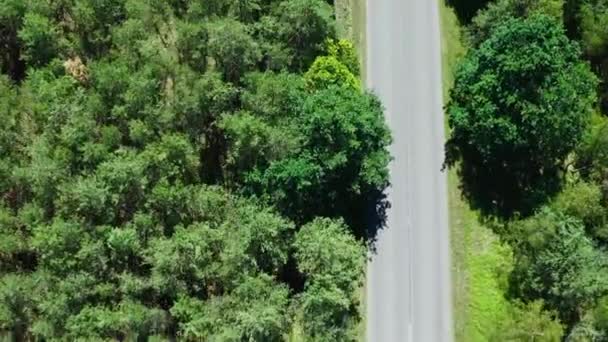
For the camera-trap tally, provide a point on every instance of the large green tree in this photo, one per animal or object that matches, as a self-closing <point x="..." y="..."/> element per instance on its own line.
<point x="342" y="151"/>
<point x="334" y="270"/>
<point x="557" y="262"/>
<point x="520" y="104"/>
<point x="486" y="20"/>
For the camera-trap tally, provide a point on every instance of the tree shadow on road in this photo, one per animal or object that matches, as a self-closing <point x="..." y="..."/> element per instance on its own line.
<point x="376" y="218"/>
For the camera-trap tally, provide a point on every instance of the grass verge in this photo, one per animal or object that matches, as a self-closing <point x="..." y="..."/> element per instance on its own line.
<point x="452" y="46"/>
<point x="480" y="262"/>
<point x="351" y="25"/>
<point x="350" y="18"/>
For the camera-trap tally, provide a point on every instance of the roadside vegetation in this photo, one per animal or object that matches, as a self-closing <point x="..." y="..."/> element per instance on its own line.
<point x="480" y="261"/>
<point x="527" y="149"/>
<point x="191" y="170"/>
<point x="351" y="25"/>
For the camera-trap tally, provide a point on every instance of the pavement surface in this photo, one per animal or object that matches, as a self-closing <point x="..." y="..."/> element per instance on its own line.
<point x="409" y="283"/>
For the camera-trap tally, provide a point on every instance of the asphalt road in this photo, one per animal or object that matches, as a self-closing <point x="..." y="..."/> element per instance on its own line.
<point x="409" y="284"/>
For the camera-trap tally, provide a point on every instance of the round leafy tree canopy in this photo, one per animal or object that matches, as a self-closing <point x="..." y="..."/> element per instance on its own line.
<point x="520" y="104"/>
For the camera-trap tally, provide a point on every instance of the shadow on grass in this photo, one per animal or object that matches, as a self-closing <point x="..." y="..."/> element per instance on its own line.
<point x="466" y="9"/>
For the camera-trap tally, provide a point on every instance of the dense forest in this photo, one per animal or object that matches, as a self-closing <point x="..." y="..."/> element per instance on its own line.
<point x="183" y="169"/>
<point x="529" y="138"/>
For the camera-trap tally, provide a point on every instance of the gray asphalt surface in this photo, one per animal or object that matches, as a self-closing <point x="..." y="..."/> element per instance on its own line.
<point x="409" y="284"/>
